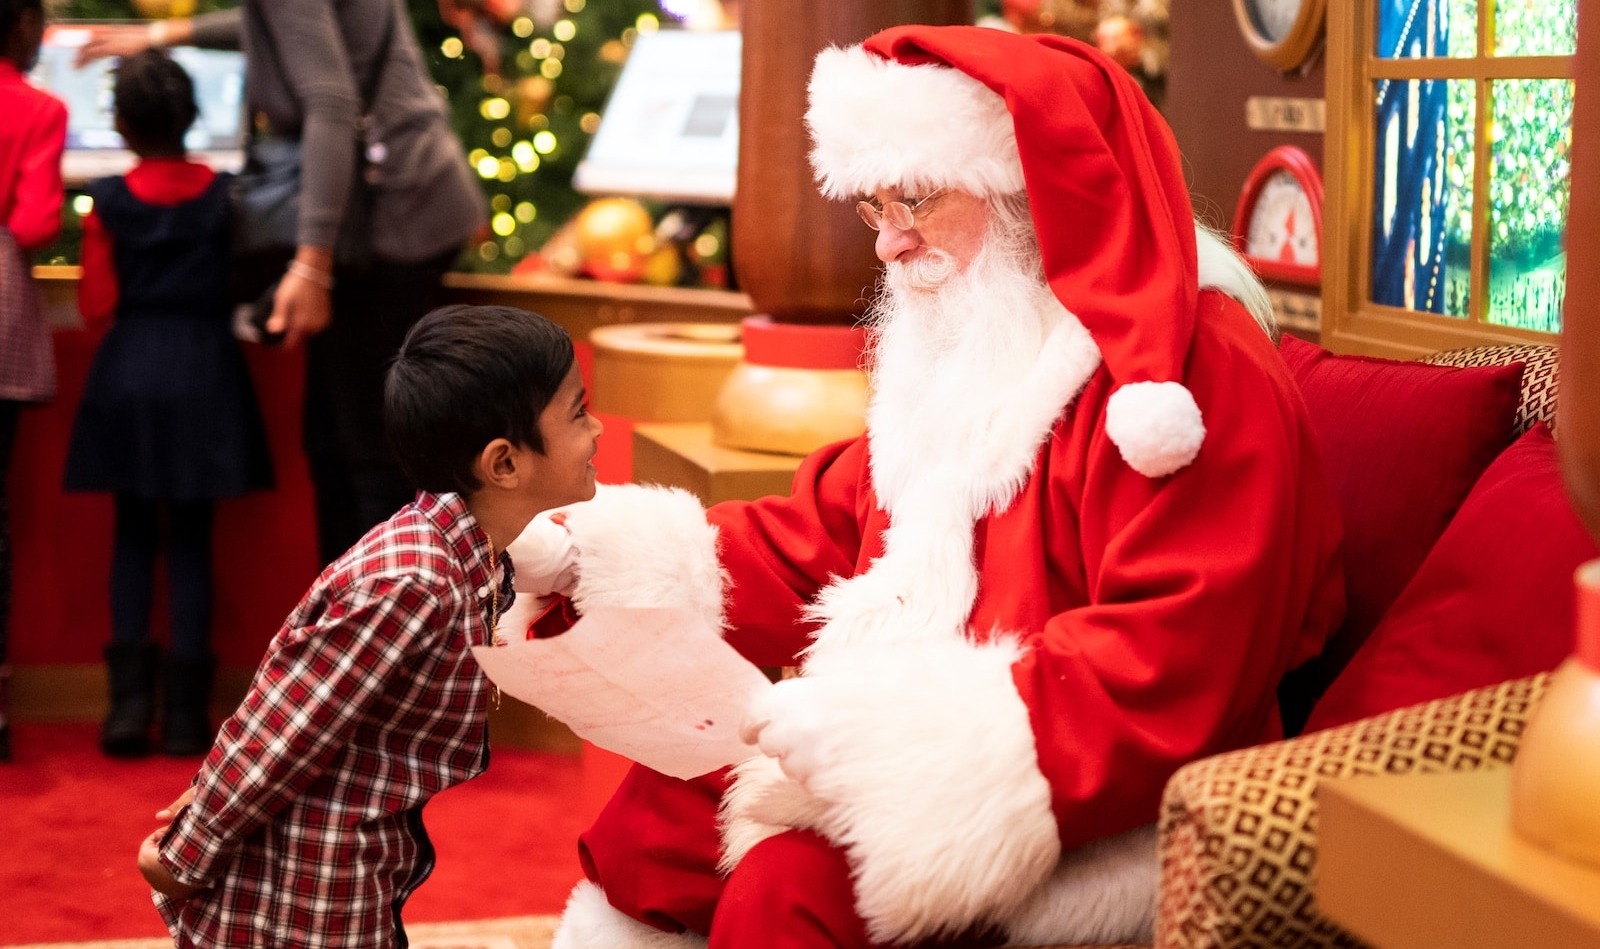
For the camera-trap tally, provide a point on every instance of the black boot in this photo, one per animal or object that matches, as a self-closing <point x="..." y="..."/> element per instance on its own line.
<point x="186" y="727"/>
<point x="132" y="669"/>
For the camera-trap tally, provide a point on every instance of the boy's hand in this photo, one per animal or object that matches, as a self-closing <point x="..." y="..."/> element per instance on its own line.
<point x="543" y="558"/>
<point x="156" y="873"/>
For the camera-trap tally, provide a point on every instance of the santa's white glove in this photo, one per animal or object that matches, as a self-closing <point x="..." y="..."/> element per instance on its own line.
<point x="788" y="723"/>
<point x="543" y="559"/>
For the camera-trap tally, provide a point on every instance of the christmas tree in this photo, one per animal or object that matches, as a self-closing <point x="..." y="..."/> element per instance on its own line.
<point x="527" y="80"/>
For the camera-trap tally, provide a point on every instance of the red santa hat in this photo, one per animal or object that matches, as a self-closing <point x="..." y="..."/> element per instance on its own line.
<point x="992" y="113"/>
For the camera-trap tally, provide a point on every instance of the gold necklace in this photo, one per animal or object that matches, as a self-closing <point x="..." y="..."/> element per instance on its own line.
<point x="494" y="617"/>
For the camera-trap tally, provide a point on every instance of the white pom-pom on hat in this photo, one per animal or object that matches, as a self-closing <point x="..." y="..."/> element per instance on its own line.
<point x="1156" y="426"/>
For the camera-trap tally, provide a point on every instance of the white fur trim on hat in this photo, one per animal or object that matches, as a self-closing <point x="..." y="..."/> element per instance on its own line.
<point x="1156" y="426"/>
<point x="880" y="124"/>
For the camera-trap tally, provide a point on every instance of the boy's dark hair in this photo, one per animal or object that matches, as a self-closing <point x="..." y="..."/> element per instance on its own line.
<point x="464" y="376"/>
<point x="154" y="98"/>
<point x="11" y="14"/>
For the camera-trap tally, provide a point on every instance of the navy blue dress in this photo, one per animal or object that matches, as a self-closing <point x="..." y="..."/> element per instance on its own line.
<point x="168" y="412"/>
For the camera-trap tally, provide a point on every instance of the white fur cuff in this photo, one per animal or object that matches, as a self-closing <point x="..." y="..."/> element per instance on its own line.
<point x="590" y="922"/>
<point x="1103" y="893"/>
<point x="933" y="786"/>
<point x="646" y="546"/>
<point x="1156" y="426"/>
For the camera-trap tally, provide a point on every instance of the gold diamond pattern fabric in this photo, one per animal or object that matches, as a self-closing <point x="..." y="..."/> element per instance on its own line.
<point x="1539" y="376"/>
<point x="1238" y="830"/>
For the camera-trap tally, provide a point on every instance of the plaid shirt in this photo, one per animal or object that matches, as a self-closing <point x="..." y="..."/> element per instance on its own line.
<point x="306" y="827"/>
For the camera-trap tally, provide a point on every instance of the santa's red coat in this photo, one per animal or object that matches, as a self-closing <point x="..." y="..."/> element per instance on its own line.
<point x="1134" y="624"/>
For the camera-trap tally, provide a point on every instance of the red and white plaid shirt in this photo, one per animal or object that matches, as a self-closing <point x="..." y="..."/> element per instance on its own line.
<point x="306" y="827"/>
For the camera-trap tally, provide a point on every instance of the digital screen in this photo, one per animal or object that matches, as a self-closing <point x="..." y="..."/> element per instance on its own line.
<point x="93" y="145"/>
<point x="670" y="128"/>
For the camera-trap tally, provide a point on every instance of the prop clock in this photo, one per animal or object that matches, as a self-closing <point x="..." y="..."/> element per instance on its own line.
<point x="1278" y="222"/>
<point x="1282" y="33"/>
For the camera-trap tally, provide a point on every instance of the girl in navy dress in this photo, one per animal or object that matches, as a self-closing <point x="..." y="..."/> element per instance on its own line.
<point x="169" y="422"/>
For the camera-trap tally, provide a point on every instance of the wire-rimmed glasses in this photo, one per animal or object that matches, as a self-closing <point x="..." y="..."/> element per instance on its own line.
<point x="897" y="213"/>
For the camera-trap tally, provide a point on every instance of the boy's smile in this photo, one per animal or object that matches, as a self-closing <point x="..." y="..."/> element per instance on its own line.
<point x="565" y="472"/>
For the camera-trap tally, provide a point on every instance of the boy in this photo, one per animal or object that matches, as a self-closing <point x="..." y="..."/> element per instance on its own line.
<point x="305" y="825"/>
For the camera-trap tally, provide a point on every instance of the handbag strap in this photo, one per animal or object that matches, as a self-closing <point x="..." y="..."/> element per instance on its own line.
<point x="369" y="83"/>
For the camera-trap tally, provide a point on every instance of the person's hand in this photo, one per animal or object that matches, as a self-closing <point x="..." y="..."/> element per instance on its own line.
<point x="114" y="39"/>
<point x="301" y="309"/>
<point x="156" y="873"/>
<point x="787" y="723"/>
<point x="543" y="558"/>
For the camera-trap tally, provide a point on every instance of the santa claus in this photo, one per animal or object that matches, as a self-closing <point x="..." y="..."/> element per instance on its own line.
<point x="1084" y="536"/>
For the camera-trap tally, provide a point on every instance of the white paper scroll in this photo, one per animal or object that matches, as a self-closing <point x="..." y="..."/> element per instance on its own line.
<point x="658" y="686"/>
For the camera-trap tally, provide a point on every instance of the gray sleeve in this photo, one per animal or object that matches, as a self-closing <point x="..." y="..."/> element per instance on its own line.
<point x="318" y="76"/>
<point x="219" y="30"/>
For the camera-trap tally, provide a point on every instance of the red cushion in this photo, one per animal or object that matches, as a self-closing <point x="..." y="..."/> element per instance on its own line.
<point x="1494" y="600"/>
<point x="1402" y="444"/>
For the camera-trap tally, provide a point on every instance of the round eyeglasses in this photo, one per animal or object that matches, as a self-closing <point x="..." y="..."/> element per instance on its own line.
<point x="899" y="214"/>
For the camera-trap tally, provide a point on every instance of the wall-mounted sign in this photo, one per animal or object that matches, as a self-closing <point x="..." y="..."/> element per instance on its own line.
<point x="1270" y="114"/>
<point x="1300" y="311"/>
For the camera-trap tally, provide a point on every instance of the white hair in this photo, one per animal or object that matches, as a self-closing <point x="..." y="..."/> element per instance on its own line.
<point x="1220" y="266"/>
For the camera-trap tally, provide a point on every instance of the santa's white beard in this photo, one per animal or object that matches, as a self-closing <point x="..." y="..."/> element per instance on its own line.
<point x="982" y="324"/>
<point x="952" y="349"/>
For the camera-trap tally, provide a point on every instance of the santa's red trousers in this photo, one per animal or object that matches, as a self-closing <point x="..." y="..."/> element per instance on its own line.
<point x="653" y="850"/>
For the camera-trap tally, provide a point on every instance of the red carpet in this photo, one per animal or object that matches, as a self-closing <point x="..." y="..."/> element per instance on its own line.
<point x="71" y="821"/>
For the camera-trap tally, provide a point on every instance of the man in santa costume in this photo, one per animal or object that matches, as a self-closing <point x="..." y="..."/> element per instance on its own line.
<point x="1083" y="538"/>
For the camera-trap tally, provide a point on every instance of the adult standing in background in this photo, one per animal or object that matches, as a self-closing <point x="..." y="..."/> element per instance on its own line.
<point x="309" y="63"/>
<point x="31" y="138"/>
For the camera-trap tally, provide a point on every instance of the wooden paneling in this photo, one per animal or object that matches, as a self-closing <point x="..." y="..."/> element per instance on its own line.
<point x="1211" y="75"/>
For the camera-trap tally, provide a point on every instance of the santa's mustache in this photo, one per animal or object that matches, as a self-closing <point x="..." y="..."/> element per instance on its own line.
<point x="929" y="270"/>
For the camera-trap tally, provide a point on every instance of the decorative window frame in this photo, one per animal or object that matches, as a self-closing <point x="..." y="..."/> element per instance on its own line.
<point x="1351" y="322"/>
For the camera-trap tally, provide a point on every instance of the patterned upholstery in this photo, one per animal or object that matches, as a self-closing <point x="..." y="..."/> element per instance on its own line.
<point x="1238" y="830"/>
<point x="1539" y="376"/>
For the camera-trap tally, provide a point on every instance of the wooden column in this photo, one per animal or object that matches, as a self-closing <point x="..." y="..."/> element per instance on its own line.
<point x="800" y="257"/>
<point x="1578" y="408"/>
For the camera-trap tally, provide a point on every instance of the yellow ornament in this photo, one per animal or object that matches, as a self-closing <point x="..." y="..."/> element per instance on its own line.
<point x="664" y="268"/>
<point x="614" y="237"/>
<point x="532" y="95"/>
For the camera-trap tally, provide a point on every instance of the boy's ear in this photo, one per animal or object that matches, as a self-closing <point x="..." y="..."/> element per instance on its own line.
<point x="498" y="464"/>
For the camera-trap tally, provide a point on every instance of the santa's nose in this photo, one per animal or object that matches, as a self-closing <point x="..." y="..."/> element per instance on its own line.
<point x="893" y="243"/>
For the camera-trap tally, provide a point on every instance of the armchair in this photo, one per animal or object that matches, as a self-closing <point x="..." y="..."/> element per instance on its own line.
<point x="1238" y="830"/>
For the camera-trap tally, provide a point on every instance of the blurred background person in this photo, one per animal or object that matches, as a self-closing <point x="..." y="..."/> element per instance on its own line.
<point x="32" y="135"/>
<point x="168" y="423"/>
<point x="424" y="205"/>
